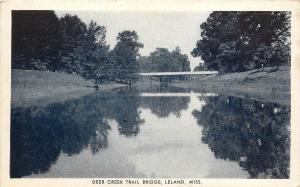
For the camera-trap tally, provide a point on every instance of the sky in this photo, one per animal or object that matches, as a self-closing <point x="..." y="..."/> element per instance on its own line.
<point x="155" y="29"/>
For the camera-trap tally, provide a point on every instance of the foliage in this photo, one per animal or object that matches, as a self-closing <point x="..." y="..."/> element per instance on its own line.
<point x="72" y="31"/>
<point x="162" y="60"/>
<point x="123" y="58"/>
<point x="94" y="50"/>
<point x="130" y="39"/>
<point x="43" y="42"/>
<point x="200" y="67"/>
<point x="239" y="41"/>
<point x="35" y="38"/>
<point x="84" y="48"/>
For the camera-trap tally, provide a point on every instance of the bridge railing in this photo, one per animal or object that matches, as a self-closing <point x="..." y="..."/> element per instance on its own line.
<point x="179" y="73"/>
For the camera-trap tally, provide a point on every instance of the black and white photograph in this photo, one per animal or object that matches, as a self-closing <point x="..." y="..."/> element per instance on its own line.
<point x="150" y="95"/>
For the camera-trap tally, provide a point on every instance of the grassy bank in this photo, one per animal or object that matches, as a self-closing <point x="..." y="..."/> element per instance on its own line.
<point x="41" y="88"/>
<point x="256" y="84"/>
<point x="31" y="87"/>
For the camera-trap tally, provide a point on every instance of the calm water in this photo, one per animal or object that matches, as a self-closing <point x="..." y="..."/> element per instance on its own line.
<point x="131" y="134"/>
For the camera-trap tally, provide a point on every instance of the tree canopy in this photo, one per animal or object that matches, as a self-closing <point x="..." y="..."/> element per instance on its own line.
<point x="84" y="47"/>
<point x="240" y="41"/>
<point x="122" y="59"/>
<point x="163" y="60"/>
<point x="42" y="41"/>
<point x="35" y="40"/>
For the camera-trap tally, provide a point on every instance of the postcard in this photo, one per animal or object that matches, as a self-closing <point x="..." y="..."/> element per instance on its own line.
<point x="140" y="93"/>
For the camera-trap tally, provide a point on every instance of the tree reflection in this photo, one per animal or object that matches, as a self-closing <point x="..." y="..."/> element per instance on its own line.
<point x="123" y="107"/>
<point x="40" y="134"/>
<point x="255" y="134"/>
<point x="164" y="106"/>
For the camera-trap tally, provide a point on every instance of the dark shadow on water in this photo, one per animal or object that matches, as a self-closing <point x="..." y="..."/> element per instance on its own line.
<point x="40" y="134"/>
<point x="255" y="134"/>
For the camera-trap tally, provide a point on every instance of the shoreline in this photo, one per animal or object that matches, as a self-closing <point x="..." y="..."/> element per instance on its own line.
<point x="255" y="84"/>
<point x="36" y="88"/>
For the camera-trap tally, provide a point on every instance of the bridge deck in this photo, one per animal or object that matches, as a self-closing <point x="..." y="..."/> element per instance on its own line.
<point x="179" y="73"/>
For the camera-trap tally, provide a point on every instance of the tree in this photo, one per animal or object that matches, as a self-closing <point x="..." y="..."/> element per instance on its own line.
<point x="84" y="48"/>
<point x="124" y="57"/>
<point x="144" y="64"/>
<point x="107" y="70"/>
<point x="200" y="67"/>
<point x="35" y="39"/>
<point x="73" y="32"/>
<point x="41" y="41"/>
<point x="130" y="39"/>
<point x="95" y="50"/>
<point x="239" y="41"/>
<point x="182" y="59"/>
<point x="163" y="60"/>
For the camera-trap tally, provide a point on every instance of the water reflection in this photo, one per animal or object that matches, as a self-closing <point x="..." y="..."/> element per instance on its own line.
<point x="125" y="128"/>
<point x="124" y="109"/>
<point x="255" y="134"/>
<point x="38" y="135"/>
<point x="164" y="106"/>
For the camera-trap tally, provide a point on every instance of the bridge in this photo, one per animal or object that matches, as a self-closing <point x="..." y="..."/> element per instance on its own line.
<point x="179" y="73"/>
<point x="188" y="74"/>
